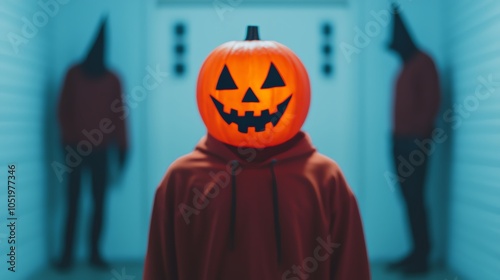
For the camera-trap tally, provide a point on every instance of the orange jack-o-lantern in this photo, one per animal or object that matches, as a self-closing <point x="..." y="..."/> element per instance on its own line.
<point x="253" y="93"/>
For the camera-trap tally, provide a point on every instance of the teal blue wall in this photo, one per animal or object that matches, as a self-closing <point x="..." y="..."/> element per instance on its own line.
<point x="25" y="67"/>
<point x="473" y="57"/>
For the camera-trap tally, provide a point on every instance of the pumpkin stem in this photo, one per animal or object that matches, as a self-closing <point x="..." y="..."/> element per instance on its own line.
<point x="252" y="33"/>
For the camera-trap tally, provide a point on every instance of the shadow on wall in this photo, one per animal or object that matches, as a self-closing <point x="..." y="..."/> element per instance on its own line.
<point x="52" y="153"/>
<point x="438" y="188"/>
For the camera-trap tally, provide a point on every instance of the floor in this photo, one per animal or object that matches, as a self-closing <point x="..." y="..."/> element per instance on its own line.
<point x="133" y="271"/>
<point x="124" y="271"/>
<point x="379" y="273"/>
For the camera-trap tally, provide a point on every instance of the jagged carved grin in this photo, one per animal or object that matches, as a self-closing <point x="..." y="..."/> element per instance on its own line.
<point x="249" y="120"/>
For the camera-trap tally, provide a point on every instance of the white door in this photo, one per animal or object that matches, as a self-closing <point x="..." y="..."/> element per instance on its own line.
<point x="174" y="124"/>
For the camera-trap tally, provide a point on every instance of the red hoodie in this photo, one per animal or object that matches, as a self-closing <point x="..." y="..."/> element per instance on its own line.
<point x="416" y="98"/>
<point x="239" y="213"/>
<point x="92" y="106"/>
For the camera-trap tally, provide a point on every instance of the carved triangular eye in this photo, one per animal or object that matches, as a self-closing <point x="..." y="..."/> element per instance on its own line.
<point x="225" y="80"/>
<point x="273" y="78"/>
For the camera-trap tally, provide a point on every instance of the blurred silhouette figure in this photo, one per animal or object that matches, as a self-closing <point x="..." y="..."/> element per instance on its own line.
<point x="416" y="104"/>
<point x="92" y="122"/>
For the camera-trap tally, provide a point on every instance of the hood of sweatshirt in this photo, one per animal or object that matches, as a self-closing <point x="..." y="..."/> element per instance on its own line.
<point x="401" y="42"/>
<point x="94" y="64"/>
<point x="298" y="148"/>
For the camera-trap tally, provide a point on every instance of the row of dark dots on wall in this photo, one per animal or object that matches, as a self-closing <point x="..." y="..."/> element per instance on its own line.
<point x="327" y="33"/>
<point x="180" y="31"/>
<point x="180" y="49"/>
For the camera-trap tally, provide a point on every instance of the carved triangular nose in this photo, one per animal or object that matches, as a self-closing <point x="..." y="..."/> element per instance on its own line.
<point x="250" y="96"/>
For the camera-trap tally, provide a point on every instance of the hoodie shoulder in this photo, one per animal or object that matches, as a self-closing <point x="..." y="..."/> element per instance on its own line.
<point x="426" y="61"/>
<point x="175" y="174"/>
<point x="182" y="164"/>
<point x="186" y="165"/>
<point x="116" y="76"/>
<point x="324" y="163"/>
<point x="330" y="173"/>
<point x="73" y="70"/>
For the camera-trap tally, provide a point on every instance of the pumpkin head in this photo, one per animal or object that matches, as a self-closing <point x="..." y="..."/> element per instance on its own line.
<point x="253" y="93"/>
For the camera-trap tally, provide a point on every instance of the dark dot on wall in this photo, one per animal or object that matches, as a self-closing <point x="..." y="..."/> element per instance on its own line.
<point x="327" y="69"/>
<point x="179" y="68"/>
<point x="327" y="49"/>
<point x="180" y="49"/>
<point x="327" y="29"/>
<point x="180" y="29"/>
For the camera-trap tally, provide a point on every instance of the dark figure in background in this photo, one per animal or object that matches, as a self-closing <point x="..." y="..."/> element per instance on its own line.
<point x="416" y="104"/>
<point x="91" y="119"/>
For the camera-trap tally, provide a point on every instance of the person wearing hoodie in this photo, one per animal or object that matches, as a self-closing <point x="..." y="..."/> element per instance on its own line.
<point x="90" y="127"/>
<point x="416" y="105"/>
<point x="260" y="208"/>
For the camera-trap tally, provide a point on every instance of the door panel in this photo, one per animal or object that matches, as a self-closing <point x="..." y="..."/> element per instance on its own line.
<point x="174" y="123"/>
